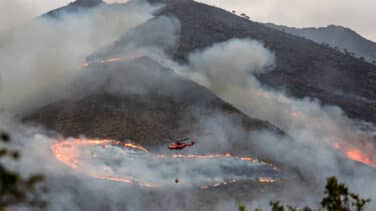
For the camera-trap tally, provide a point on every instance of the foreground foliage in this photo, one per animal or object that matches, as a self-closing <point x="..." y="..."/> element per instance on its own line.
<point x="337" y="198"/>
<point x="14" y="189"/>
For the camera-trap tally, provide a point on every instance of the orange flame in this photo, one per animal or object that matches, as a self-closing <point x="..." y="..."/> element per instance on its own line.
<point x="68" y="153"/>
<point x="355" y="154"/>
<point x="110" y="60"/>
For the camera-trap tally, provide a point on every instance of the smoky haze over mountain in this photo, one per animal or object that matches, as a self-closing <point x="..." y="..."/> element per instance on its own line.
<point x="356" y="15"/>
<point x="339" y="37"/>
<point x="151" y="72"/>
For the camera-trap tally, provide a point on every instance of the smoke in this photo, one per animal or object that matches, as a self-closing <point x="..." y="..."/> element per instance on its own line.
<point x="16" y="13"/>
<point x="230" y="70"/>
<point x="44" y="56"/>
<point x="41" y="64"/>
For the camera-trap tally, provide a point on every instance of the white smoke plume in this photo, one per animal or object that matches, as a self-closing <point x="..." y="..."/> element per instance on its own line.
<point x="229" y="69"/>
<point x="44" y="56"/>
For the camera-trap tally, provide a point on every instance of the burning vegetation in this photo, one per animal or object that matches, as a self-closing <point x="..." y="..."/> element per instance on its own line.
<point x="88" y="157"/>
<point x="355" y="153"/>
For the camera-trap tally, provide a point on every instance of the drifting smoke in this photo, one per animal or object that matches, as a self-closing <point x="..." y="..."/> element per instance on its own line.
<point x="41" y="64"/>
<point x="229" y="69"/>
<point x="41" y="58"/>
<point x="134" y="164"/>
<point x="18" y="12"/>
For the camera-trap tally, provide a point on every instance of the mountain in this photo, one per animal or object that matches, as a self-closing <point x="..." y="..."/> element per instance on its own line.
<point x="161" y="105"/>
<point x="74" y="7"/>
<point x="304" y="68"/>
<point x="339" y="37"/>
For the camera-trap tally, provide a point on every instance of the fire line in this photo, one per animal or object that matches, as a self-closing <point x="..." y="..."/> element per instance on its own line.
<point x="68" y="153"/>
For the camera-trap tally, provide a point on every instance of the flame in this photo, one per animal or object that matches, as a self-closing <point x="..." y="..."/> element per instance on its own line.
<point x="352" y="152"/>
<point x="266" y="180"/>
<point x="134" y="146"/>
<point x="68" y="153"/>
<point x="109" y="60"/>
<point x="355" y="154"/>
<point x="358" y="156"/>
<point x="104" y="61"/>
<point x="84" y="65"/>
<point x="220" y="184"/>
<point x="294" y="114"/>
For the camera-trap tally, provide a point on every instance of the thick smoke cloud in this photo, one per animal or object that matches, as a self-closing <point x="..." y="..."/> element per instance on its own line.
<point x="15" y="13"/>
<point x="229" y="69"/>
<point x="41" y="64"/>
<point x="18" y="12"/>
<point x="44" y="56"/>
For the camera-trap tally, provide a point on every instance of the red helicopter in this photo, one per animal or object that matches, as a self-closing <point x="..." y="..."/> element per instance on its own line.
<point x="178" y="145"/>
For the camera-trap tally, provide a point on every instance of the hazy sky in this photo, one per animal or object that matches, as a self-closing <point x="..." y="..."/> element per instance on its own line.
<point x="359" y="15"/>
<point x="15" y="12"/>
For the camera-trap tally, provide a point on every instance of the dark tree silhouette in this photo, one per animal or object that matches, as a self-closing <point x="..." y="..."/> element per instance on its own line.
<point x="14" y="189"/>
<point x="337" y="198"/>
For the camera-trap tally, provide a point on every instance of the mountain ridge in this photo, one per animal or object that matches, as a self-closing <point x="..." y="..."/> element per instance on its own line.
<point x="339" y="37"/>
<point x="303" y="67"/>
<point x="74" y="7"/>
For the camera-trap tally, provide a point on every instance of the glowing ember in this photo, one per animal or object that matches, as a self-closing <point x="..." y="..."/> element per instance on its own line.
<point x="115" y="59"/>
<point x="266" y="180"/>
<point x="104" y="159"/>
<point x="110" y="60"/>
<point x="84" y="65"/>
<point x="294" y="114"/>
<point x="355" y="154"/>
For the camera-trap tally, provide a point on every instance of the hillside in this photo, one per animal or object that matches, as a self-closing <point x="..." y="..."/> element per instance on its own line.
<point x="143" y="99"/>
<point x="74" y="7"/>
<point x="336" y="36"/>
<point x="162" y="106"/>
<point x="304" y="68"/>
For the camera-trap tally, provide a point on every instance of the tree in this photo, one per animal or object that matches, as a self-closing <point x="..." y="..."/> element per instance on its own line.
<point x="337" y="198"/>
<point x="14" y="189"/>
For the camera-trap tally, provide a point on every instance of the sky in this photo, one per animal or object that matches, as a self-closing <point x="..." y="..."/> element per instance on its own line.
<point x="21" y="11"/>
<point x="359" y="15"/>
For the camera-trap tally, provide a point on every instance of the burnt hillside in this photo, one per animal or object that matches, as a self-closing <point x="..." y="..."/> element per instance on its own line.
<point x="304" y="68"/>
<point x="163" y="105"/>
<point x="339" y="37"/>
